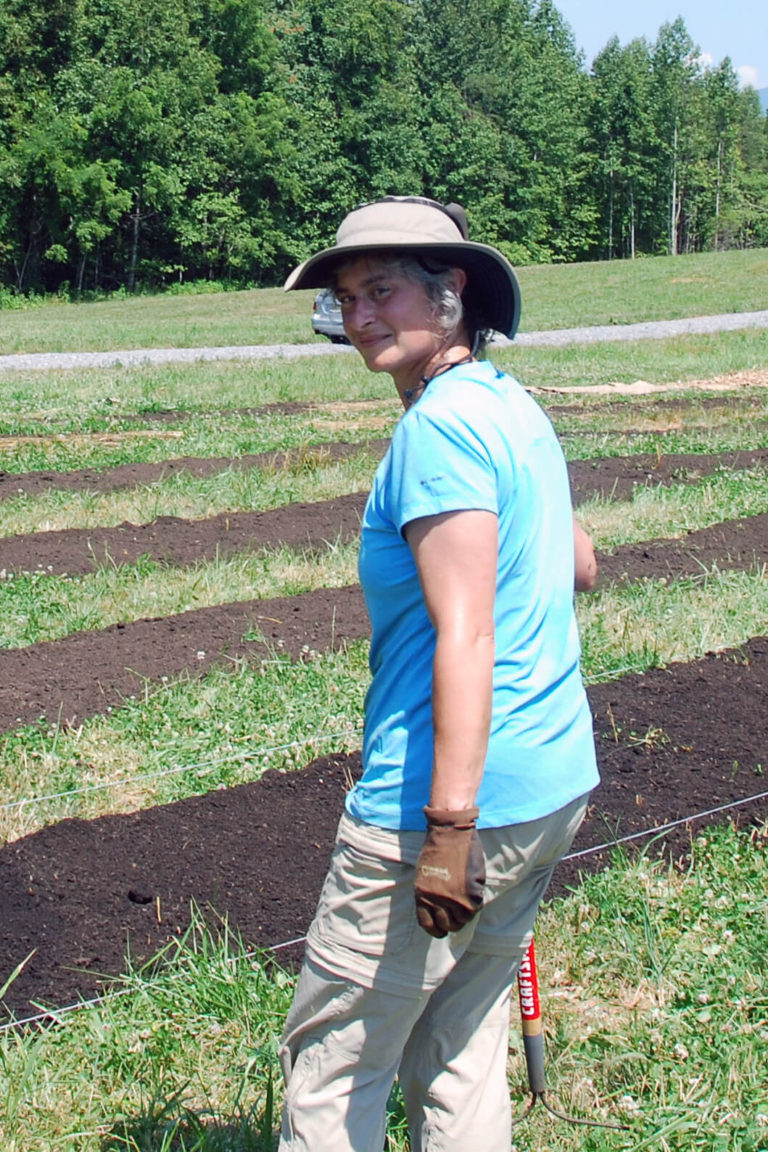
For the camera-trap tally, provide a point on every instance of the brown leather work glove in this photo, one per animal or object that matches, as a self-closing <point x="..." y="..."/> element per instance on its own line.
<point x="450" y="871"/>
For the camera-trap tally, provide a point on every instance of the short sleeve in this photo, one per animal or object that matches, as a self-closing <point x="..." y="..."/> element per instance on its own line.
<point x="440" y="463"/>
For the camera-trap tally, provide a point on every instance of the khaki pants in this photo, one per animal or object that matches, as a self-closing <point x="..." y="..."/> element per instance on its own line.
<point x="377" y="997"/>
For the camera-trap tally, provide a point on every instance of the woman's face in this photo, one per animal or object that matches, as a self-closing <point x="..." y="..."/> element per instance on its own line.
<point x="390" y="319"/>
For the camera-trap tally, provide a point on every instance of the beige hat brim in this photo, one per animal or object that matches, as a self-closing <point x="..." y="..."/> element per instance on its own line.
<point x="492" y="292"/>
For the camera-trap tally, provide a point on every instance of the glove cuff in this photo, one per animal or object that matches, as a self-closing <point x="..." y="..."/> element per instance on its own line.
<point x="451" y="817"/>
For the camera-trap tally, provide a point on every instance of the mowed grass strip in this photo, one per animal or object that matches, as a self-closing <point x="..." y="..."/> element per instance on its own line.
<point x="670" y="512"/>
<point x="67" y="421"/>
<point x="275" y="712"/>
<point x="653" y="994"/>
<point x="66" y="398"/>
<point x="40" y="606"/>
<point x="554" y="296"/>
<point x="211" y="434"/>
<point x="185" y="737"/>
<point x="672" y="360"/>
<point x="93" y="419"/>
<point x="706" y="438"/>
<point x="63" y="399"/>
<point x="650" y="623"/>
<point x="625" y="418"/>
<point x="309" y="475"/>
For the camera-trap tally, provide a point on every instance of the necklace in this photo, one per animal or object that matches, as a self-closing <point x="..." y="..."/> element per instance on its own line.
<point x="410" y="393"/>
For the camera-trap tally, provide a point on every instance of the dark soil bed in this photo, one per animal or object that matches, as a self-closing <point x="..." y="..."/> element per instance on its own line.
<point x="83" y="674"/>
<point x="671" y="744"/>
<point x="79" y="676"/>
<point x="176" y="541"/>
<point x="31" y="484"/>
<point x="611" y="476"/>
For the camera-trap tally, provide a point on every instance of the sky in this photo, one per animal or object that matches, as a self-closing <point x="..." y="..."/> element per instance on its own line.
<point x="720" y="28"/>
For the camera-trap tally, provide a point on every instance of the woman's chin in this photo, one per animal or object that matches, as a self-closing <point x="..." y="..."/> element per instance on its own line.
<point x="377" y="359"/>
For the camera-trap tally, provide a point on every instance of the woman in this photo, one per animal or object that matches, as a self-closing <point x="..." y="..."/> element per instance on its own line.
<point x="478" y="754"/>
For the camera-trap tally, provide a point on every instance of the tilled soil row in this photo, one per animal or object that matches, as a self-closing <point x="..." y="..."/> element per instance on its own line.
<point x="174" y="540"/>
<point x="614" y="477"/>
<point x="170" y="539"/>
<point x="140" y="474"/>
<point x="81" y="675"/>
<point x="672" y="744"/>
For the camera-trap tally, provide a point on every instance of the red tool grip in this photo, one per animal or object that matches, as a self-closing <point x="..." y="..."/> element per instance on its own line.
<point x="528" y="990"/>
<point x="533" y="1027"/>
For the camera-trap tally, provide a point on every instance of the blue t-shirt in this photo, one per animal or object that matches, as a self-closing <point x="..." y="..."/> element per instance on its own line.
<point x="475" y="440"/>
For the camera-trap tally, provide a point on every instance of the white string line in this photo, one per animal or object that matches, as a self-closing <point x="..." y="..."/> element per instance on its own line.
<point x="664" y="827"/>
<point x="609" y="673"/>
<point x="206" y="764"/>
<point x="96" y="1001"/>
<point x="609" y="844"/>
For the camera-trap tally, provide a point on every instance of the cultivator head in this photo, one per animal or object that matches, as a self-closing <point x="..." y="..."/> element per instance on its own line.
<point x="533" y="1043"/>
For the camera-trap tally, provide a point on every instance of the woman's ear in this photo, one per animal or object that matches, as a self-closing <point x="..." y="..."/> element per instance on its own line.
<point x="458" y="280"/>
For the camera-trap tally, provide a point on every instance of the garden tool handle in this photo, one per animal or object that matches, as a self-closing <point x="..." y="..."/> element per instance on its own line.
<point x="533" y="1027"/>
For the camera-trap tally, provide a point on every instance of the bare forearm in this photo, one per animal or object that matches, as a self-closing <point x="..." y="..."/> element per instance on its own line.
<point x="461" y="713"/>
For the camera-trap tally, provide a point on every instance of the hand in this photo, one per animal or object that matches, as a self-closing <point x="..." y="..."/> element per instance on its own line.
<point x="450" y="871"/>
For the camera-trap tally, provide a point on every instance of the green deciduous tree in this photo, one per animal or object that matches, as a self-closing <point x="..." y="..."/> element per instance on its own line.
<point x="623" y="141"/>
<point x="144" y="141"/>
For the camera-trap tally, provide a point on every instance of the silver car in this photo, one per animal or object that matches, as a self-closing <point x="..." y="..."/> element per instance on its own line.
<point x="326" y="317"/>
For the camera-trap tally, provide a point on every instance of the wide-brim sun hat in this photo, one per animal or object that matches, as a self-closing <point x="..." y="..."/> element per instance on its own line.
<point x="424" y="227"/>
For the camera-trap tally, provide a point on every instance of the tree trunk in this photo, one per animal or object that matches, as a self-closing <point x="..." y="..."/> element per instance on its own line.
<point x="717" y="191"/>
<point x="610" y="217"/>
<point x="134" y="243"/>
<point x="673" y="199"/>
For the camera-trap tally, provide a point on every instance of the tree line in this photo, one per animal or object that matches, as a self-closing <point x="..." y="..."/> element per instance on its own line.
<point x="151" y="142"/>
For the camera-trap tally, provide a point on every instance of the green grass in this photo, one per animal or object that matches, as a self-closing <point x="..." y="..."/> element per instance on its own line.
<point x="41" y="607"/>
<point x="653" y="992"/>
<point x="554" y="296"/>
<point x="186" y="1060"/>
<point x="655" y="996"/>
<point x="184" y="737"/>
<point x="59" y="401"/>
<point x="651" y="623"/>
<point x="229" y="437"/>
<point x="38" y="606"/>
<point x="94" y="419"/>
<point x="258" y="316"/>
<point x="626" y="291"/>
<point x="310" y="476"/>
<point x="672" y="512"/>
<point x="672" y="360"/>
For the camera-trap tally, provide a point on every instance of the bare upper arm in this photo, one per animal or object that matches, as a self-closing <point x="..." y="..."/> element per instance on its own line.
<point x="456" y="555"/>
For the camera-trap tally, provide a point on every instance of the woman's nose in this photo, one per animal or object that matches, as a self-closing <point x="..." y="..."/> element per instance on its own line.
<point x="362" y="311"/>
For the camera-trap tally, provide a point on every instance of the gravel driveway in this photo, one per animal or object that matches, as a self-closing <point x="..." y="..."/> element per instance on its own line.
<point x="648" y="330"/>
